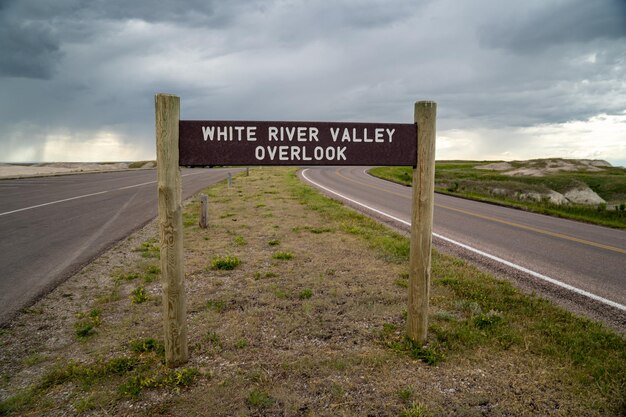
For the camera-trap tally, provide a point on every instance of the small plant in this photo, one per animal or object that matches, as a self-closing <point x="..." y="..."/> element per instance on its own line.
<point x="138" y="295"/>
<point x="406" y="394"/>
<point x="428" y="354"/>
<point x="444" y="316"/>
<point x="240" y="241"/>
<point x="85" y="326"/>
<point x="151" y="273"/>
<point x="127" y="277"/>
<point x="147" y="345"/>
<point x="241" y="344"/>
<point x="213" y="338"/>
<point x="225" y="263"/>
<point x="285" y="256"/>
<point x="84" y="329"/>
<point x="216" y="305"/>
<point x="149" y="249"/>
<point x="119" y="366"/>
<point x="280" y="293"/>
<point x="274" y="242"/>
<point x="402" y="283"/>
<point x="305" y="294"/>
<point x="271" y="274"/>
<point x="492" y="318"/>
<point x="259" y="399"/>
<point x="415" y="410"/>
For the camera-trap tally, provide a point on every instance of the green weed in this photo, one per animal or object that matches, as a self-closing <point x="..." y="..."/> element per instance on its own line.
<point x="87" y="322"/>
<point x="225" y="263"/>
<point x="147" y="345"/>
<point x="305" y="294"/>
<point x="415" y="410"/>
<point x="151" y="273"/>
<point x="216" y="305"/>
<point x="282" y="255"/>
<point x="138" y="295"/>
<point x="259" y="399"/>
<point x="149" y="249"/>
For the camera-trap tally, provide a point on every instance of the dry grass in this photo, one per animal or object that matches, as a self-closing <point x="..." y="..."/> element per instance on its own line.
<point x="316" y="333"/>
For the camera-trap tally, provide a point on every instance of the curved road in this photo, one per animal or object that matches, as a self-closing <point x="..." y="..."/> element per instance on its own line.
<point x="51" y="226"/>
<point x="591" y="259"/>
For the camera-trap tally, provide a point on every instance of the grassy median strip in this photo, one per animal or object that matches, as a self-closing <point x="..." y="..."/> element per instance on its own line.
<point x="464" y="179"/>
<point x="306" y="318"/>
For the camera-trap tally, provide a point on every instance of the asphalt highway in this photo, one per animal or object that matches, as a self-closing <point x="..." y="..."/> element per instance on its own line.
<point x="589" y="259"/>
<point x="51" y="226"/>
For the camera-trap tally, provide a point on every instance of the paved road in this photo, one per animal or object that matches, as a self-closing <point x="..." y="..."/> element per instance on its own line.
<point x="51" y="226"/>
<point x="590" y="258"/>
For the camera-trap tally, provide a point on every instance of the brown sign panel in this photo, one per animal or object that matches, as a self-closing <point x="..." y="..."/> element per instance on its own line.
<point x="214" y="142"/>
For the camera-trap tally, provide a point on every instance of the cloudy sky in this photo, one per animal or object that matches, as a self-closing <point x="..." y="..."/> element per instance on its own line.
<point x="512" y="79"/>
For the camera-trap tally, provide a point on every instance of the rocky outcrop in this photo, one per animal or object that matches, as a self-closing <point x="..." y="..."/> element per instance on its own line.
<point x="584" y="195"/>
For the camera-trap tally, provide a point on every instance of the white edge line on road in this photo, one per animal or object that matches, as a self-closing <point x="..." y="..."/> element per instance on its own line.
<point x="52" y="202"/>
<point x="86" y="195"/>
<point x="479" y="252"/>
<point x="136" y="185"/>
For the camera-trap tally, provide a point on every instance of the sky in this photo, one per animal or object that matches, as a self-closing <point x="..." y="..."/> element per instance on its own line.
<point x="512" y="79"/>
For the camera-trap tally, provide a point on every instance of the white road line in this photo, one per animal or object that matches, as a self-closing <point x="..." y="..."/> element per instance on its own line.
<point x="479" y="252"/>
<point x="50" y="203"/>
<point x="136" y="185"/>
<point x="87" y="195"/>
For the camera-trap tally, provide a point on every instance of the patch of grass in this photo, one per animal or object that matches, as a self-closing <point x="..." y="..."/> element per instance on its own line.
<point x="190" y="218"/>
<point x="171" y="378"/>
<point x="393" y="246"/>
<point x="431" y="355"/>
<point x="402" y="283"/>
<point x="151" y="273"/>
<point x="280" y="293"/>
<point x="259" y="399"/>
<point x="130" y="276"/>
<point x="406" y="394"/>
<point x="216" y="305"/>
<point x="138" y="295"/>
<point x="87" y="322"/>
<point x="213" y="338"/>
<point x="274" y="242"/>
<point x="464" y="180"/>
<point x="241" y="344"/>
<point x="240" y="241"/>
<point x="285" y="256"/>
<point x="149" y="249"/>
<point x="225" y="263"/>
<point x="147" y="345"/>
<point x="34" y="359"/>
<point x="305" y="294"/>
<point x="415" y="410"/>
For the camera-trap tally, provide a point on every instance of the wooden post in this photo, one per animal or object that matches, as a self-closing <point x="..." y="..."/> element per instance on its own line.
<point x="247" y="171"/>
<point x="171" y="229"/>
<point x="204" y="211"/>
<point x="422" y="222"/>
<point x="230" y="180"/>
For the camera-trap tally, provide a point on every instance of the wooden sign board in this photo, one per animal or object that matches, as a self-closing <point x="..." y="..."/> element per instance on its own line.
<point x="203" y="143"/>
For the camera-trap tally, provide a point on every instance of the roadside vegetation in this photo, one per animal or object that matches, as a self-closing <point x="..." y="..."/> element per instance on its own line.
<point x="306" y="318"/>
<point x="541" y="186"/>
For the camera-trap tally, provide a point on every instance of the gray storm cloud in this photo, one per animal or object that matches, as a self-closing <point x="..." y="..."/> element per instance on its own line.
<point x="79" y="69"/>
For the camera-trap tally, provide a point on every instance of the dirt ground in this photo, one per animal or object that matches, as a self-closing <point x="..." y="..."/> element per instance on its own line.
<point x="296" y="334"/>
